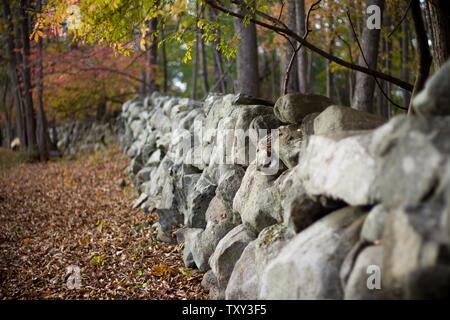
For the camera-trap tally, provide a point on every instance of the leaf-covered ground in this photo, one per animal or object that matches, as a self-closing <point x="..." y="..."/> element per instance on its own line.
<point x="75" y="212"/>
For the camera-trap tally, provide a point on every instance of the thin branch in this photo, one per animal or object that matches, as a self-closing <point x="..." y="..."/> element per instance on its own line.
<point x="400" y="83"/>
<point x="405" y="14"/>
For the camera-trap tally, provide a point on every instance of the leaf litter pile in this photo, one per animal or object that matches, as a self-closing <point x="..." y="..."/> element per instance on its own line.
<point x="75" y="213"/>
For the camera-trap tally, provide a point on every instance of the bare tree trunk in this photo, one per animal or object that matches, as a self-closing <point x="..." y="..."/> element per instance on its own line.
<point x="439" y="11"/>
<point x="292" y="83"/>
<point x="311" y="75"/>
<point x="365" y="84"/>
<point x="164" y="63"/>
<point x="219" y="79"/>
<point x="42" y="128"/>
<point x="153" y="57"/>
<point x="301" y="55"/>
<point x="404" y="45"/>
<point x="273" y="76"/>
<point x="26" y="69"/>
<point x="204" y="67"/>
<point x="423" y="50"/>
<point x="195" y="70"/>
<point x="247" y="59"/>
<point x="143" y="88"/>
<point x="13" y="74"/>
<point x="330" y="80"/>
<point x="6" y="141"/>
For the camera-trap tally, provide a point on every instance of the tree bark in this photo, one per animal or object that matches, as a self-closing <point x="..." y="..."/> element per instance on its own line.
<point x="204" y="67"/>
<point x="152" y="57"/>
<point x="6" y="141"/>
<point x="404" y="45"/>
<point x="423" y="50"/>
<point x="330" y="80"/>
<point x="219" y="79"/>
<point x="27" y="86"/>
<point x="273" y="76"/>
<point x="42" y="128"/>
<point x="365" y="84"/>
<point x="292" y="83"/>
<point x="13" y="74"/>
<point x="247" y="58"/>
<point x="164" y="63"/>
<point x="302" y="62"/>
<point x="195" y="70"/>
<point x="439" y="11"/>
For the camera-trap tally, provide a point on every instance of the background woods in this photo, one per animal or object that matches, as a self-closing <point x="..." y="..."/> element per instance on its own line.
<point x="62" y="59"/>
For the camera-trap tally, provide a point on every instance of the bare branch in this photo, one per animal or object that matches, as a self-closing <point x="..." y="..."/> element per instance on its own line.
<point x="402" y="84"/>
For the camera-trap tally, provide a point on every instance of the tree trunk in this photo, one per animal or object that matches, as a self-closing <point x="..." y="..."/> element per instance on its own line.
<point x="247" y="59"/>
<point x="365" y="84"/>
<point x="164" y="63"/>
<point x="404" y="45"/>
<point x="204" y="67"/>
<point x="273" y="76"/>
<point x="42" y="128"/>
<point x="6" y="140"/>
<point x="330" y="80"/>
<point x="311" y="74"/>
<point x="27" y="87"/>
<point x="195" y="70"/>
<point x="13" y="74"/>
<point x="423" y="50"/>
<point x="301" y="55"/>
<point x="143" y="89"/>
<point x="292" y="83"/>
<point x="439" y="12"/>
<point x="219" y="78"/>
<point x="152" y="57"/>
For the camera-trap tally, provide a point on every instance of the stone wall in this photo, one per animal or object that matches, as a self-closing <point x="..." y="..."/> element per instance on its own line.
<point x="86" y="135"/>
<point x="357" y="207"/>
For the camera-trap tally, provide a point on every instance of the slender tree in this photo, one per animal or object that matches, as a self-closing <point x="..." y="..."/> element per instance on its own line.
<point x="302" y="61"/>
<point x="290" y="63"/>
<point x="439" y="24"/>
<point x="13" y="72"/>
<point x="365" y="84"/>
<point x="26" y="75"/>
<point x="247" y="58"/>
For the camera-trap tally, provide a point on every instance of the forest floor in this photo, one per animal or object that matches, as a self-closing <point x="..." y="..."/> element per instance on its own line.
<point x="75" y="213"/>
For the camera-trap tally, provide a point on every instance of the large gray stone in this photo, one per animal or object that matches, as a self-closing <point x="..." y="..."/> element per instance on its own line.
<point x="338" y="118"/>
<point x="202" y="244"/>
<point x="373" y="227"/>
<point x="293" y="107"/>
<point x="308" y="266"/>
<point x="300" y="210"/>
<point x="416" y="243"/>
<point x="243" y="283"/>
<point x="198" y="201"/>
<point x="290" y="144"/>
<point x="245" y="280"/>
<point x="434" y="99"/>
<point x="410" y="153"/>
<point x="339" y="167"/>
<point x="257" y="201"/>
<point x="360" y="285"/>
<point x="227" y="253"/>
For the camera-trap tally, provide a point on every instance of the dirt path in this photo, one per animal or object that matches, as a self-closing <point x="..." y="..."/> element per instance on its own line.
<point x="68" y="213"/>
